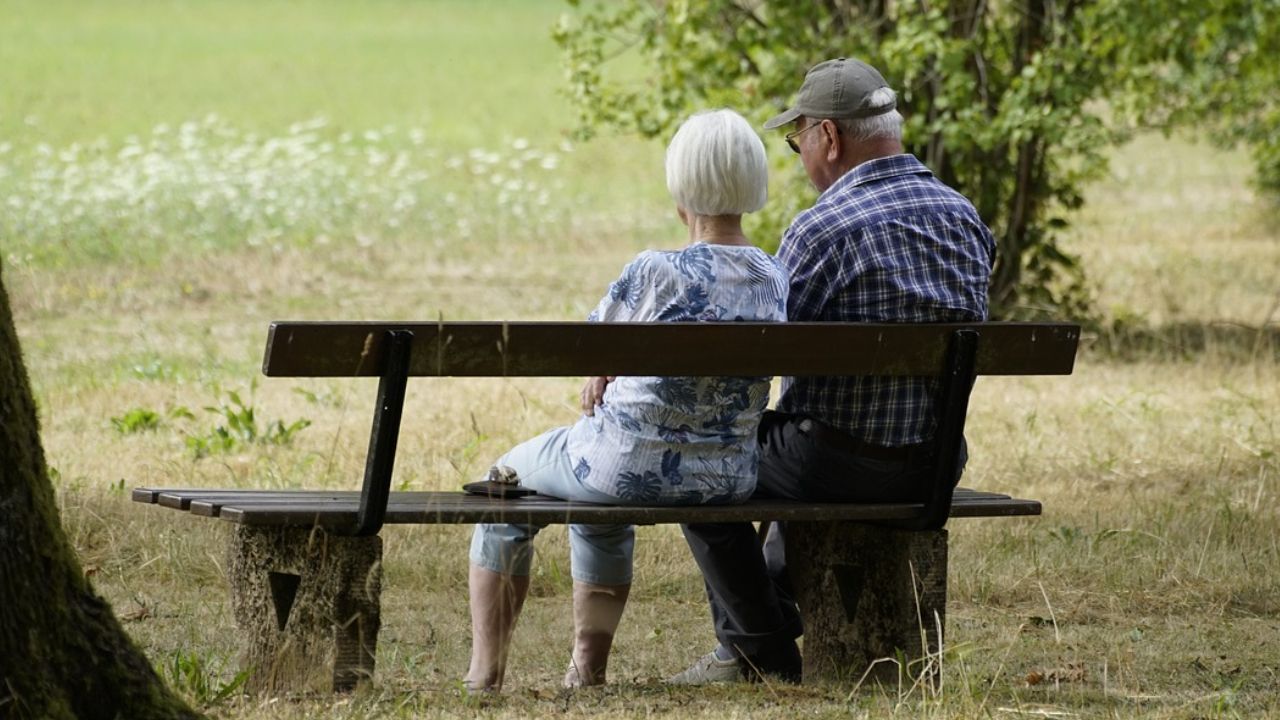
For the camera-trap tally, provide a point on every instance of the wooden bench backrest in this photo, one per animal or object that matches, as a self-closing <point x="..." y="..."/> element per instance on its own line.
<point x="558" y="349"/>
<point x="953" y="353"/>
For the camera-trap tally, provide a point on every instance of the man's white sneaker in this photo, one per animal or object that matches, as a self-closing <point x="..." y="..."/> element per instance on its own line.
<point x="708" y="669"/>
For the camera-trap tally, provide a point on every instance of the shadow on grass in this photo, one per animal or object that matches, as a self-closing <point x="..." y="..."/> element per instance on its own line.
<point x="1236" y="342"/>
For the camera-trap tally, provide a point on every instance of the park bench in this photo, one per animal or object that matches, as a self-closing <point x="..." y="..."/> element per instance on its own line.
<point x="304" y="566"/>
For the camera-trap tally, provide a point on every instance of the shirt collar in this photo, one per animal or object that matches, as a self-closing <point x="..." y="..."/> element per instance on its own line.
<point x="879" y="169"/>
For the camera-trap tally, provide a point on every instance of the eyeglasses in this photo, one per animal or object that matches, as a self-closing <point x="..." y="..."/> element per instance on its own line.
<point x="791" y="136"/>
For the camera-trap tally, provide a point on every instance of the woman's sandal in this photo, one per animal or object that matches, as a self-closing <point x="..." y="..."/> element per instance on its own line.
<point x="503" y="482"/>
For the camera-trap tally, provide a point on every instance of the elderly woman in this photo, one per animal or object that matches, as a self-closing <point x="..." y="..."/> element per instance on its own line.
<point x="644" y="440"/>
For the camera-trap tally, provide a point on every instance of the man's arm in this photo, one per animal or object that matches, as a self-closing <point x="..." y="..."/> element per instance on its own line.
<point x="812" y="275"/>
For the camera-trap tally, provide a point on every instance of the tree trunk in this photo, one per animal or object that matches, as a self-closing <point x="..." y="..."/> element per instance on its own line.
<point x="1028" y="197"/>
<point x="63" y="654"/>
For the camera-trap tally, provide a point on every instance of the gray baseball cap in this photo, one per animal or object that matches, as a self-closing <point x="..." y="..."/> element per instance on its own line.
<point x="839" y="88"/>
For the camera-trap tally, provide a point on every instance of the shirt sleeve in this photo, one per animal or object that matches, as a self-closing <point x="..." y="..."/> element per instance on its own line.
<point x="810" y="278"/>
<point x="623" y="300"/>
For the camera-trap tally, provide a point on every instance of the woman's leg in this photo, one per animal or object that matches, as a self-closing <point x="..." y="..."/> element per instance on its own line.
<point x="601" y="557"/>
<point x="501" y="556"/>
<point x="597" y="610"/>
<point x="496" y="600"/>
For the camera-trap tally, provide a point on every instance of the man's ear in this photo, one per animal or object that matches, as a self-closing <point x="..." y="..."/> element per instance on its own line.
<point x="832" y="133"/>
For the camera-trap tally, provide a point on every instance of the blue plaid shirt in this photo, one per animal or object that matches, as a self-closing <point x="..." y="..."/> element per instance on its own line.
<point x="887" y="243"/>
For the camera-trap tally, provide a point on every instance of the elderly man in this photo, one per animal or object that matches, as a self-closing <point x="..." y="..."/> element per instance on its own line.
<point x="886" y="241"/>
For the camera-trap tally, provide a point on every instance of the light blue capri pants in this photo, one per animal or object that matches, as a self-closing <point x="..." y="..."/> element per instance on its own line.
<point x="598" y="554"/>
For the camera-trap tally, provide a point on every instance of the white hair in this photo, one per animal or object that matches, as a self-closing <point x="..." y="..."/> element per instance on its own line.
<point x="886" y="125"/>
<point x="716" y="165"/>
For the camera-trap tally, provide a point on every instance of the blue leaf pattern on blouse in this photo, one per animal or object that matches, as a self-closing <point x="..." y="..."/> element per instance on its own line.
<point x="671" y="467"/>
<point x="689" y="306"/>
<point x="760" y="279"/>
<point x="639" y="487"/>
<point x="723" y="426"/>
<point x="674" y="434"/>
<point x="582" y="469"/>
<point x="628" y="422"/>
<point x="694" y="263"/>
<point x="630" y="285"/>
<point x="678" y="392"/>
<point x="717" y="484"/>
<point x="681" y="440"/>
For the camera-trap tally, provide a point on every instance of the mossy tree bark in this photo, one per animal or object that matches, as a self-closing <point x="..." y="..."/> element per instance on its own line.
<point x="63" y="653"/>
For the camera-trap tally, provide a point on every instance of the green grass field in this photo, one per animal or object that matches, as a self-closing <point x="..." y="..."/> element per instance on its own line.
<point x="175" y="175"/>
<point x="74" y="71"/>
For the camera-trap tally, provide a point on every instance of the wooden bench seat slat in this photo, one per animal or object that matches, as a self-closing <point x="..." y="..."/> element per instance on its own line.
<point x="329" y="516"/>
<point x="180" y="498"/>
<point x="145" y="495"/>
<point x="557" y="349"/>
<point x="183" y="499"/>
<point x="211" y="499"/>
<point x="338" y="508"/>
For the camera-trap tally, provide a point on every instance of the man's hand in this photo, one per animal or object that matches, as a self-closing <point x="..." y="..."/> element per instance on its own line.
<point x="593" y="393"/>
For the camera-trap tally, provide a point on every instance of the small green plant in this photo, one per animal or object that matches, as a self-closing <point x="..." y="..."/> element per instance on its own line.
<point x="154" y="369"/>
<point x="191" y="675"/>
<point x="135" y="421"/>
<point x="1068" y="534"/>
<point x="324" y="398"/>
<point x="240" y="427"/>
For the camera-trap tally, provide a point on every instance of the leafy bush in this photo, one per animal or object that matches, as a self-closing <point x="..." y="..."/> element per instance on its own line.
<point x="1013" y="104"/>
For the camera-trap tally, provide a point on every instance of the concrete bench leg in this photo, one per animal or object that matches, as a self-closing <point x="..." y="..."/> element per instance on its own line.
<point x="867" y="593"/>
<point x="307" y="605"/>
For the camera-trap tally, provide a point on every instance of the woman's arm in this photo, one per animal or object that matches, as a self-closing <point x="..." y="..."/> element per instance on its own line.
<point x="625" y="298"/>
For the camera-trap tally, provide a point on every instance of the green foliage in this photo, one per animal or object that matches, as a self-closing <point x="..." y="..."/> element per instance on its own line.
<point x="145" y="419"/>
<point x="1013" y="104"/>
<point x="1233" y="76"/>
<point x="191" y="675"/>
<point x="135" y="421"/>
<point x="240" y="427"/>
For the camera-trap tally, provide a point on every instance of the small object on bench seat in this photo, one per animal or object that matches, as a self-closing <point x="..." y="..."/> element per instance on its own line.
<point x="503" y="482"/>
<point x="490" y="488"/>
<point x="503" y="475"/>
<point x="305" y="565"/>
